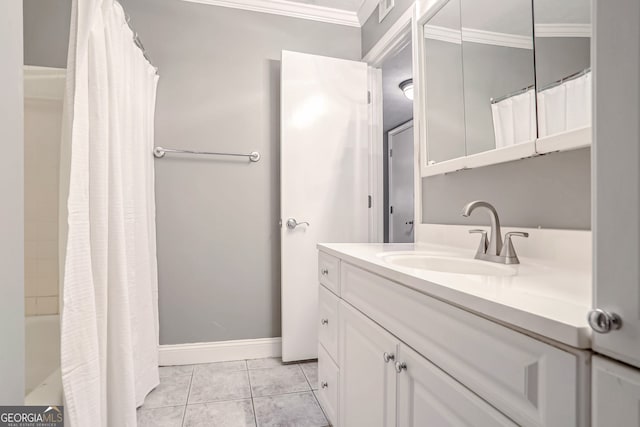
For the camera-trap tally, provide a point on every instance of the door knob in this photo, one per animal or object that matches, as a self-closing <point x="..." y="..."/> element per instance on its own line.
<point x="292" y="223"/>
<point x="324" y="384"/>
<point x="387" y="357"/>
<point x="324" y="321"/>
<point x="603" y="322"/>
<point x="401" y="367"/>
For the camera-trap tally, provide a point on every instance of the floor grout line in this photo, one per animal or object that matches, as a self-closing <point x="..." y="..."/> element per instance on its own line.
<point x="321" y="408"/>
<point x="253" y="406"/>
<point x="306" y="377"/>
<point x="285" y="394"/>
<point x="315" y="396"/>
<point x="184" y="413"/>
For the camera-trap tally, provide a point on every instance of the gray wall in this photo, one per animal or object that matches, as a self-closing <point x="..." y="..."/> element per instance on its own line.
<point x="12" y="211"/>
<point x="445" y="104"/>
<point x="490" y="71"/>
<point x="217" y="220"/>
<point x="46" y="32"/>
<point x="372" y="31"/>
<point x="551" y="191"/>
<point x="558" y="57"/>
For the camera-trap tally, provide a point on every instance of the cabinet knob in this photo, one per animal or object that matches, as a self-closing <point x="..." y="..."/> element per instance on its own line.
<point x="388" y="356"/>
<point x="401" y="367"/>
<point x="604" y="322"/>
<point x="324" y="384"/>
<point x="325" y="271"/>
<point x="324" y="321"/>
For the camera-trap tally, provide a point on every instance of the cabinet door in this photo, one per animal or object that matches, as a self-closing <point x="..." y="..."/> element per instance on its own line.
<point x="616" y="162"/>
<point x="367" y="381"/>
<point x="616" y="394"/>
<point x="427" y="396"/>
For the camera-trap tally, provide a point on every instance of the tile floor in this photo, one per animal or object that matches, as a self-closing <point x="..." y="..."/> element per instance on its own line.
<point x="261" y="392"/>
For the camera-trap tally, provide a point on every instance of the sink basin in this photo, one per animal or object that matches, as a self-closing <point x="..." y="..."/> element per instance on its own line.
<point x="448" y="264"/>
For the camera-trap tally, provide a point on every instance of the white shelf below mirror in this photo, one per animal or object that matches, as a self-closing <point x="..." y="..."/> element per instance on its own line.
<point x="572" y="140"/>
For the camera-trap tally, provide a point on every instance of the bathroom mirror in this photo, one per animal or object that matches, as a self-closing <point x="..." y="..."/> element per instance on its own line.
<point x="498" y="68"/>
<point x="443" y="82"/>
<point x="502" y="80"/>
<point x="563" y="67"/>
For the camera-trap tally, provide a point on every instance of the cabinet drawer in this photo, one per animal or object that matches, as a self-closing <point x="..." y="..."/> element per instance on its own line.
<point x="328" y="386"/>
<point x="533" y="383"/>
<point x="329" y="272"/>
<point x="429" y="397"/>
<point x="328" y="321"/>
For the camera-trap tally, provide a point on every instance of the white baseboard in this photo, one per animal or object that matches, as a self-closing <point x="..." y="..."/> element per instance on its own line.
<point x="221" y="351"/>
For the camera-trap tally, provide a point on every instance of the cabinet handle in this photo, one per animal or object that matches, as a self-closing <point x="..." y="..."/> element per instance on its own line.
<point x="324" y="384"/>
<point x="388" y="356"/>
<point x="325" y="271"/>
<point x="401" y="367"/>
<point x="324" y="321"/>
<point x="603" y="322"/>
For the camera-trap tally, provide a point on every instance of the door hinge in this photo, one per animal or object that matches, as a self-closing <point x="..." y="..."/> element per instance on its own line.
<point x="391" y="152"/>
<point x="391" y="210"/>
<point x="368" y="97"/>
<point x="369" y="201"/>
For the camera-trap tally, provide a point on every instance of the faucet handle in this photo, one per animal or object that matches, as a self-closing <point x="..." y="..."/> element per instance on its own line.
<point x="484" y="243"/>
<point x="516" y="233"/>
<point x="508" y="251"/>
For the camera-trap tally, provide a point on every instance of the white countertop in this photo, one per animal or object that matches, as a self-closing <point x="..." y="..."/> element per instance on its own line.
<point x="549" y="299"/>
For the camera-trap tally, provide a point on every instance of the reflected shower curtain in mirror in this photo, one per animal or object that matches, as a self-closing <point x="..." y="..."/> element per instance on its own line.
<point x="109" y="326"/>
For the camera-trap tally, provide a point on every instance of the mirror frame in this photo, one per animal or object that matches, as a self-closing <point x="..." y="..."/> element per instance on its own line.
<point x="575" y="139"/>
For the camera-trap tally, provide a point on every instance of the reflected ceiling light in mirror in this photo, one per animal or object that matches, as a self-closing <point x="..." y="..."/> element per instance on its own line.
<point x="407" y="88"/>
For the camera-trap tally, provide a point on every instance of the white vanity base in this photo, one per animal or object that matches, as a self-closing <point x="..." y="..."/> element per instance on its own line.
<point x="393" y="346"/>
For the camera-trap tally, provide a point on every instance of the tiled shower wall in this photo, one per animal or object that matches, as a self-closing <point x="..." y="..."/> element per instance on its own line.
<point x="43" y="120"/>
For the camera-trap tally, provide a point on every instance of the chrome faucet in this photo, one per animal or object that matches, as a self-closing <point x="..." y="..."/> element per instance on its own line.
<point x="492" y="249"/>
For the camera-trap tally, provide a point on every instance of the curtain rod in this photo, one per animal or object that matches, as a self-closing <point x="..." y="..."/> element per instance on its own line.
<point x="549" y="86"/>
<point x="136" y="38"/>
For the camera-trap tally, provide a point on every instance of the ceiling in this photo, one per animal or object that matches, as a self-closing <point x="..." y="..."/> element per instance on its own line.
<point x="396" y="108"/>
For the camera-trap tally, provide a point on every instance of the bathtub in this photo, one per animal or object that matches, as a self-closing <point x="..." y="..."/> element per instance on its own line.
<point x="43" y="382"/>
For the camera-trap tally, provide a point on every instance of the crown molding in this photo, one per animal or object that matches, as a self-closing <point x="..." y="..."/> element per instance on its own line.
<point x="290" y="8"/>
<point x="443" y="34"/>
<point x="477" y="36"/>
<point x="497" y="39"/>
<point x="563" y="30"/>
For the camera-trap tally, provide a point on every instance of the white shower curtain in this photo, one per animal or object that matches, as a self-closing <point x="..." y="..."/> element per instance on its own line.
<point x="109" y="314"/>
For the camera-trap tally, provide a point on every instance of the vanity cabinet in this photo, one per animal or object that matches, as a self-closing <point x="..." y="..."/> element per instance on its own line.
<point x="429" y="397"/>
<point x="616" y="394"/>
<point x="408" y="359"/>
<point x="368" y="378"/>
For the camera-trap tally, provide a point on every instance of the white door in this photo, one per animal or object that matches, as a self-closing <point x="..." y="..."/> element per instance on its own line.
<point x="429" y="397"/>
<point x="616" y="222"/>
<point x="366" y="356"/>
<point x="615" y="394"/>
<point x="324" y="172"/>
<point x="401" y="197"/>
